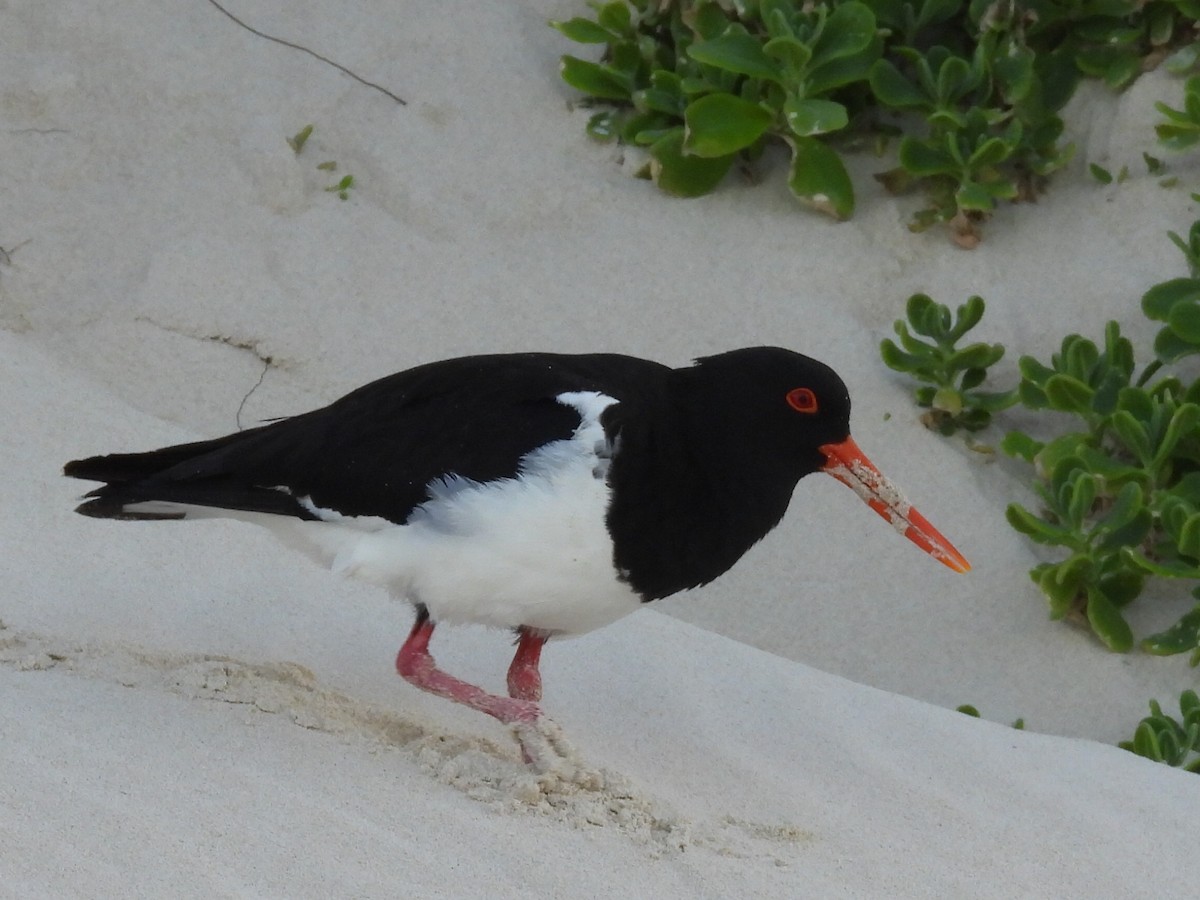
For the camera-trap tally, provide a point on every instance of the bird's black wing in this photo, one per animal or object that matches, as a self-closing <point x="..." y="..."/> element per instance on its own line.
<point x="374" y="451"/>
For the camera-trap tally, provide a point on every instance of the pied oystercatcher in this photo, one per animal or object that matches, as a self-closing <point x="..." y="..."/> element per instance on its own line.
<point x="543" y="493"/>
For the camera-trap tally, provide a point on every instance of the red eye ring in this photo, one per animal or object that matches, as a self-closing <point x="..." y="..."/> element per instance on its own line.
<point x="802" y="400"/>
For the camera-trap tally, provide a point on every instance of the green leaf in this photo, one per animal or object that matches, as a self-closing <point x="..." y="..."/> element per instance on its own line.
<point x="1133" y="435"/>
<point x="954" y="78"/>
<point x="808" y="117"/>
<point x="708" y="20"/>
<point x="992" y="401"/>
<point x="603" y="125"/>
<point x="892" y="89"/>
<point x="974" y="356"/>
<point x="1183" y="422"/>
<point x="923" y="158"/>
<point x="819" y="178"/>
<point x="1124" y="585"/>
<point x="918" y="309"/>
<point x="935" y="321"/>
<point x="1181" y="637"/>
<point x="1145" y="742"/>
<point x="1115" y="472"/>
<point x="968" y="316"/>
<point x="1032" y="526"/>
<point x="594" y="79"/>
<point x="1108" y="623"/>
<point x="1021" y="445"/>
<point x="793" y="55"/>
<point x="836" y="73"/>
<point x="1062" y="584"/>
<point x="1162" y="568"/>
<point x="1014" y="74"/>
<point x="848" y="30"/>
<point x="584" y="31"/>
<point x="1033" y="370"/>
<point x="1189" y="537"/>
<point x="1183" y="60"/>
<point x="615" y="17"/>
<point x="1083" y="496"/>
<point x="739" y="53"/>
<point x="298" y="140"/>
<point x="895" y="358"/>
<point x="1079" y="357"/>
<point x="685" y="175"/>
<point x="973" y="196"/>
<point x="1068" y="394"/>
<point x="1169" y="347"/>
<point x="1158" y="302"/>
<point x="972" y="378"/>
<point x="721" y="124"/>
<point x="990" y="153"/>
<point x="1128" y="533"/>
<point x="1189" y="705"/>
<point x="1184" y="320"/>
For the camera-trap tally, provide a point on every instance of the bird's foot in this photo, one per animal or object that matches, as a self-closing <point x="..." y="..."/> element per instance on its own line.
<point x="547" y="751"/>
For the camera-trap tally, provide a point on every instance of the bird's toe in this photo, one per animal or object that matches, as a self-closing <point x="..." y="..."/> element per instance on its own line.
<point x="547" y="751"/>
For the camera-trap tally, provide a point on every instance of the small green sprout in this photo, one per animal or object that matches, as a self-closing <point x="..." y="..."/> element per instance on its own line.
<point x="297" y="141"/>
<point x="342" y="188"/>
<point x="968" y="710"/>
<point x="329" y="166"/>
<point x="1191" y="247"/>
<point x="1164" y="739"/>
<point x="951" y="375"/>
<point x="1100" y="173"/>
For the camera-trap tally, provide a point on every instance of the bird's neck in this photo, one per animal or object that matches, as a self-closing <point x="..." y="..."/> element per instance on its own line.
<point x="704" y="492"/>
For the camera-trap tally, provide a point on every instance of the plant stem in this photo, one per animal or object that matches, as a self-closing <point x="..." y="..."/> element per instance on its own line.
<point x="1149" y="372"/>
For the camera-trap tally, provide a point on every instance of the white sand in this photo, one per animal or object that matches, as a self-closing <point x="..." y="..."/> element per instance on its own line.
<point x="194" y="711"/>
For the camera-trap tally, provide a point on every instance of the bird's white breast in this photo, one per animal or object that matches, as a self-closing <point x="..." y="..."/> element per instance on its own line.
<point x="532" y="550"/>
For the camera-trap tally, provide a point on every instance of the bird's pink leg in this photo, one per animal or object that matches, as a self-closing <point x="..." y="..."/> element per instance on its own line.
<point x="417" y="667"/>
<point x="543" y="745"/>
<point x="524" y="679"/>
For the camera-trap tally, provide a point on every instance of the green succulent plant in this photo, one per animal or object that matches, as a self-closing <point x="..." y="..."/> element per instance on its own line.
<point x="1119" y="483"/>
<point x="973" y="86"/>
<point x="1164" y="739"/>
<point x="951" y="375"/>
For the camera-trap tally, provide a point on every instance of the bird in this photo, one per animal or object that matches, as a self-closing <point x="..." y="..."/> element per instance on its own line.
<point x="545" y="494"/>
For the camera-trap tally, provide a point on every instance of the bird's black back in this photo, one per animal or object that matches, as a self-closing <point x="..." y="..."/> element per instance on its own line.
<point x="374" y="451"/>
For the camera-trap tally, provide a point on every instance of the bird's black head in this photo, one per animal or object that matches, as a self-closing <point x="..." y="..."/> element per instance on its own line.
<point x="784" y="416"/>
<point x="712" y="470"/>
<point x="785" y="404"/>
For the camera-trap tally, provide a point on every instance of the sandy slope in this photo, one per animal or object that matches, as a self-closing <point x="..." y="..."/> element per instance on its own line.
<point x="194" y="711"/>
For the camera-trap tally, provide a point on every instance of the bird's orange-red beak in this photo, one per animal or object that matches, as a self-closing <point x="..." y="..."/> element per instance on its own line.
<point x="849" y="465"/>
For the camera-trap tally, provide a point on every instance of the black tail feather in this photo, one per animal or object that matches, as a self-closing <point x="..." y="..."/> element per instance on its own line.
<point x="191" y="474"/>
<point x="113" y="501"/>
<point x="110" y="507"/>
<point x="118" y="468"/>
